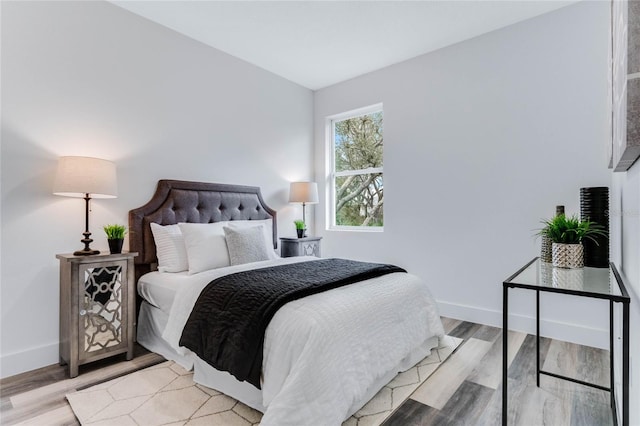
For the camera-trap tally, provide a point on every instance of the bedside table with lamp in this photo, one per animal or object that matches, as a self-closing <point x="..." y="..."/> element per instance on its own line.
<point x="305" y="193"/>
<point x="97" y="290"/>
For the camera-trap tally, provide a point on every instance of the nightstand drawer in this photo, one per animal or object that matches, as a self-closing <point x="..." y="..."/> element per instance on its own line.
<point x="308" y="246"/>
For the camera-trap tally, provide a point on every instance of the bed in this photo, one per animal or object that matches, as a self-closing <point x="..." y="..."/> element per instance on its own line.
<point x="324" y="356"/>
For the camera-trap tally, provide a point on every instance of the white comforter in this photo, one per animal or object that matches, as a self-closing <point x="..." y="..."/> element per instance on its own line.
<point x="323" y="352"/>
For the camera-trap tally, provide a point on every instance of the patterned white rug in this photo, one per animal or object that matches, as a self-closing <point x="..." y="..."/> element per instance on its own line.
<point x="165" y="394"/>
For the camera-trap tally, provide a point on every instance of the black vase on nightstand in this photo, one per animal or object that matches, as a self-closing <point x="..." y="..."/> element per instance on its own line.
<point x="300" y="232"/>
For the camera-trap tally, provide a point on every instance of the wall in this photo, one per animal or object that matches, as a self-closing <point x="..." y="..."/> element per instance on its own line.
<point x="89" y="78"/>
<point x="482" y="140"/>
<point x="625" y="197"/>
<point x="625" y="252"/>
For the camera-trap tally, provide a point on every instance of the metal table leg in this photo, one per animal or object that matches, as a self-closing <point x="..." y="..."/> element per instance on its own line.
<point x="625" y="363"/>
<point x="505" y="345"/>
<point x="538" y="338"/>
<point x="611" y="356"/>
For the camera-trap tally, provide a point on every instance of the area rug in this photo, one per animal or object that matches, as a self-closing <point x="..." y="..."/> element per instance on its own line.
<point x="165" y="394"/>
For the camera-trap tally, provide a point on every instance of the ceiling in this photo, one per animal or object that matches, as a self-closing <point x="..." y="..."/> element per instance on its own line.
<point x="320" y="43"/>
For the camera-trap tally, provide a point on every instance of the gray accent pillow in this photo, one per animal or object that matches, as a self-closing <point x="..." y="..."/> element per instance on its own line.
<point x="246" y="245"/>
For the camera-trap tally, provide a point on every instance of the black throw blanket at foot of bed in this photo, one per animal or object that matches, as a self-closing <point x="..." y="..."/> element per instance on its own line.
<point x="227" y="325"/>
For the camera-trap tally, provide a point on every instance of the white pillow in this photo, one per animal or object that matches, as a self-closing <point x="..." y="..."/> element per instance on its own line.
<point x="170" y="248"/>
<point x="246" y="245"/>
<point x="267" y="229"/>
<point x="206" y="246"/>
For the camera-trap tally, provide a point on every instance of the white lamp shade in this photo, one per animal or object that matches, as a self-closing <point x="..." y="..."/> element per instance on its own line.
<point x="77" y="176"/>
<point x="303" y="192"/>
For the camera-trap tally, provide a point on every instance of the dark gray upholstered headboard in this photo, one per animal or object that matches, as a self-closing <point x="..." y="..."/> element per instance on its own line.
<point x="194" y="202"/>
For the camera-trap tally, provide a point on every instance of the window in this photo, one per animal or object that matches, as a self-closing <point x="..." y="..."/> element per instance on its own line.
<point x="356" y="184"/>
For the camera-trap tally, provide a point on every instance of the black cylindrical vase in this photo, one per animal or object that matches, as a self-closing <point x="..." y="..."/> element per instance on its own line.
<point x="594" y="206"/>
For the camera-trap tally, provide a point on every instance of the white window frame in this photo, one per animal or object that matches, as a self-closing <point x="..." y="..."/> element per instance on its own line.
<point x="331" y="175"/>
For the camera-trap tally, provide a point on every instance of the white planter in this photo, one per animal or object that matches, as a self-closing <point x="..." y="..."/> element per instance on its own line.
<point x="567" y="255"/>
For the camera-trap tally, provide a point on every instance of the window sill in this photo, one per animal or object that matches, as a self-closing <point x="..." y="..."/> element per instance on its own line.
<point x="373" y="229"/>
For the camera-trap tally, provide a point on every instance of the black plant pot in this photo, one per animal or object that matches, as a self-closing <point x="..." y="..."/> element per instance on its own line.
<point x="300" y="233"/>
<point x="115" y="246"/>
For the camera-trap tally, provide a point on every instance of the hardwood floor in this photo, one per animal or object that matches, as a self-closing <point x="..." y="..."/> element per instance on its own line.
<point x="468" y="385"/>
<point x="38" y="397"/>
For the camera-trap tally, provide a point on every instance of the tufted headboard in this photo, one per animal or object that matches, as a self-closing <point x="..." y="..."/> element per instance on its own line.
<point x="195" y="202"/>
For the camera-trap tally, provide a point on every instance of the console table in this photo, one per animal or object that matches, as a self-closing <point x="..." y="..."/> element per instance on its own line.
<point x="598" y="283"/>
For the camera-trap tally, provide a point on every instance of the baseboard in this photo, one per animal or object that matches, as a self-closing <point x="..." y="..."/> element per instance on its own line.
<point x="30" y="359"/>
<point x="575" y="333"/>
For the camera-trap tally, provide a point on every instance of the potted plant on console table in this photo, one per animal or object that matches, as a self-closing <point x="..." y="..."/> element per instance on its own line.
<point x="567" y="234"/>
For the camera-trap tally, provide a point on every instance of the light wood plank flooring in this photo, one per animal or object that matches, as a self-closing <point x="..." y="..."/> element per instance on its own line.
<point x="38" y="397"/>
<point x="469" y="385"/>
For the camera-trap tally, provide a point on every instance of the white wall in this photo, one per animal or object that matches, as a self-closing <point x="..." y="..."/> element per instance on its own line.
<point x="482" y="140"/>
<point x="625" y="252"/>
<point x="89" y="78"/>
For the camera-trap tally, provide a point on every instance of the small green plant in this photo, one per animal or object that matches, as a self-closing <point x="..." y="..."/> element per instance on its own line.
<point x="115" y="232"/>
<point x="571" y="230"/>
<point x="299" y="224"/>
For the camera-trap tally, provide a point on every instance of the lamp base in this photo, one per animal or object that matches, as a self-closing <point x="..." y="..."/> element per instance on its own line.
<point x="86" y="252"/>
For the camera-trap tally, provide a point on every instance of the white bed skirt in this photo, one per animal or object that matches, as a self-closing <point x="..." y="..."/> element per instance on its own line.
<point x="151" y="324"/>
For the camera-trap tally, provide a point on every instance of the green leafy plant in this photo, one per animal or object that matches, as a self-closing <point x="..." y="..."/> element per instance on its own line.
<point x="571" y="230"/>
<point x="115" y="232"/>
<point x="299" y="224"/>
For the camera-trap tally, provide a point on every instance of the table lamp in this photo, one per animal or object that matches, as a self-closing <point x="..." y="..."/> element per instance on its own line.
<point x="305" y="193"/>
<point x="85" y="177"/>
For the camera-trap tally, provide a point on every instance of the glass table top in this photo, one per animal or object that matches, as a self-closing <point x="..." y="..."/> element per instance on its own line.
<point x="588" y="281"/>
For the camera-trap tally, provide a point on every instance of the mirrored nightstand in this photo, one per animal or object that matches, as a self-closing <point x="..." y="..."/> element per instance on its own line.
<point x="97" y="308"/>
<point x="307" y="246"/>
